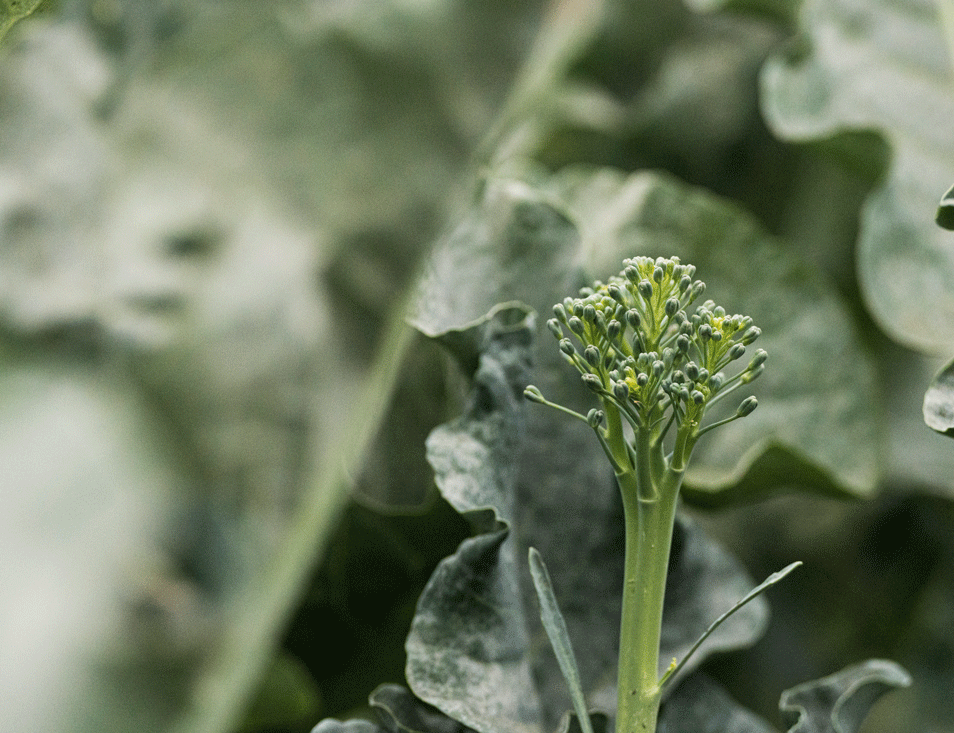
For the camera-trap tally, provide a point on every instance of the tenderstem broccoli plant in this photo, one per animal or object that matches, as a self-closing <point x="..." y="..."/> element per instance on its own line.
<point x="657" y="371"/>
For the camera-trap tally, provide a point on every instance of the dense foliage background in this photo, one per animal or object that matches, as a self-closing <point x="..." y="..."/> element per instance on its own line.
<point x="218" y="217"/>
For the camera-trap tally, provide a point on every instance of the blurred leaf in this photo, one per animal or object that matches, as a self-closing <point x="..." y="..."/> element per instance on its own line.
<point x="815" y="395"/>
<point x="840" y="703"/>
<point x="939" y="402"/>
<point x="699" y="705"/>
<point x="854" y="70"/>
<point x="944" y="217"/>
<point x="472" y="650"/>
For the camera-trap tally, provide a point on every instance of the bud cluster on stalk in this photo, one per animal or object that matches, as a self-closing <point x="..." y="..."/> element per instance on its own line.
<point x="637" y="347"/>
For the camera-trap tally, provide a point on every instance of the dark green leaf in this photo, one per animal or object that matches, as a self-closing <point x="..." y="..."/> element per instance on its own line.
<point x="840" y="703"/>
<point x="939" y="402"/>
<point x="945" y="210"/>
<point x="400" y="712"/>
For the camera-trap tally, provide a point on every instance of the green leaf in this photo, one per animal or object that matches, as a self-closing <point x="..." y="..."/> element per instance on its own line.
<point x="400" y="712"/>
<point x="939" y="402"/>
<point x="944" y="217"/>
<point x="840" y="703"/>
<point x="555" y="627"/>
<point x="12" y="11"/>
<point x="816" y="412"/>
<point x="851" y="71"/>
<point x="751" y="595"/>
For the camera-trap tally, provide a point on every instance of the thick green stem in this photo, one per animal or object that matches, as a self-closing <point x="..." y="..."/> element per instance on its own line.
<point x="649" y="527"/>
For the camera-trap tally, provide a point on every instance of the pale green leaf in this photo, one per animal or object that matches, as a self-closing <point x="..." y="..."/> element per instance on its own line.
<point x="555" y="627"/>
<point x="816" y="416"/>
<point x="939" y="402"/>
<point x="840" y="702"/>
<point x="882" y="66"/>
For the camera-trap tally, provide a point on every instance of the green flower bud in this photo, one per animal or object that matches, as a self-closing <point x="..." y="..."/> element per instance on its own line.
<point x="716" y="381"/>
<point x="682" y="343"/>
<point x="632" y="274"/>
<point x="658" y="274"/>
<point x="703" y="376"/>
<point x="750" y="375"/>
<point x="716" y="335"/>
<point x="692" y="371"/>
<point x="560" y="312"/>
<point x="613" y="329"/>
<point x="632" y="318"/>
<point x="595" y="418"/>
<point x="576" y="325"/>
<point x="592" y="355"/>
<point x="593" y="382"/>
<point x="698" y="288"/>
<point x="589" y="313"/>
<point x="761" y="355"/>
<point x="747" y="407"/>
<point x="533" y="394"/>
<point x="736" y="351"/>
<point x="659" y="368"/>
<point x="697" y="396"/>
<point x="752" y="333"/>
<point x="685" y="283"/>
<point x="554" y="325"/>
<point x="678" y="377"/>
<point x="705" y="332"/>
<point x="642" y="379"/>
<point x="645" y="289"/>
<point x="621" y="391"/>
<point x="672" y="307"/>
<point x="566" y="346"/>
<point x="616" y="293"/>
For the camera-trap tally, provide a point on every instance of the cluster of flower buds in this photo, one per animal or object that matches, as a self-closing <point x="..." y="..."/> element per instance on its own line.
<point x="637" y="348"/>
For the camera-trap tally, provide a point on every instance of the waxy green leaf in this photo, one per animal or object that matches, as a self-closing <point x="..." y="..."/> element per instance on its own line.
<point x="555" y="627"/>
<point x="882" y="66"/>
<point x="840" y="702"/>
<point x="939" y="402"/>
<point x="816" y="420"/>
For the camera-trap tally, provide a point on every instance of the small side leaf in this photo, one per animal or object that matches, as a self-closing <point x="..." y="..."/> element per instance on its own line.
<point x="945" y="210"/>
<point x="555" y="627"/>
<point x="761" y="588"/>
<point x="840" y="702"/>
<point x="939" y="398"/>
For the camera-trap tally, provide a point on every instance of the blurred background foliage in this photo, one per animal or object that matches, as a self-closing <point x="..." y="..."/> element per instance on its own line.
<point x="217" y="514"/>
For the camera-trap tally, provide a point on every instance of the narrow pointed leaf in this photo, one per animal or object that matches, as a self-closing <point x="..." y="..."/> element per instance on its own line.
<point x="751" y="595"/>
<point x="555" y="627"/>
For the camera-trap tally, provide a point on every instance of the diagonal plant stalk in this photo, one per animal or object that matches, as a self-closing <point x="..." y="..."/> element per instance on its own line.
<point x="655" y="370"/>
